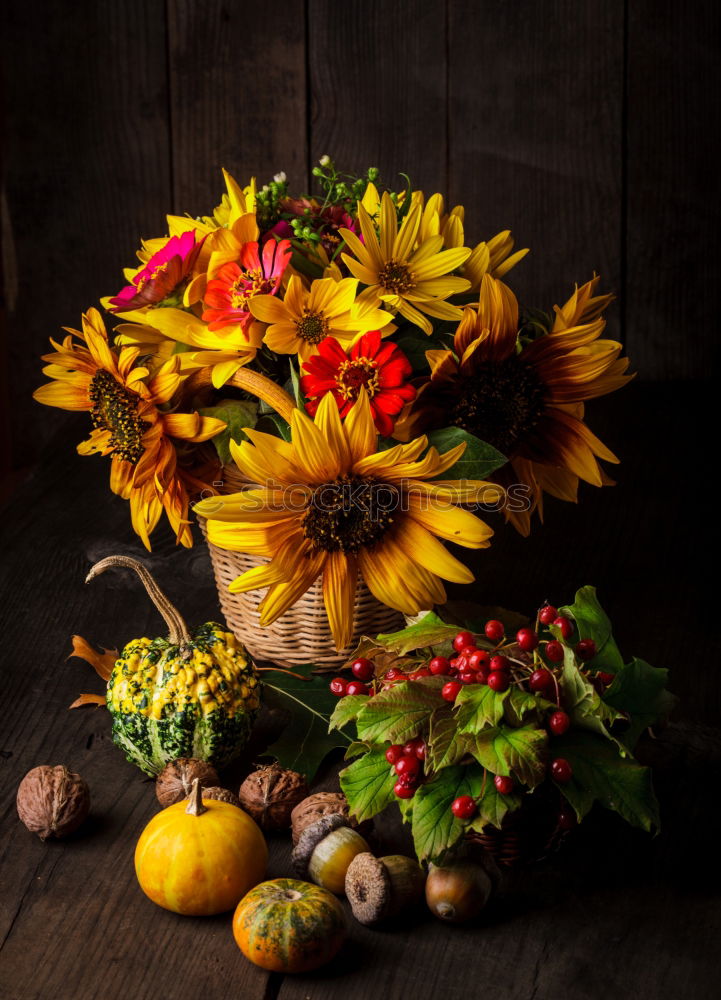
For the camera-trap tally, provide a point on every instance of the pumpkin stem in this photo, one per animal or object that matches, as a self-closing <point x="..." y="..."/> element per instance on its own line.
<point x="195" y="805"/>
<point x="178" y="630"/>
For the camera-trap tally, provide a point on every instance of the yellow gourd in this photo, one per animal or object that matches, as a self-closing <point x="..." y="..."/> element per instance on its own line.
<point x="200" y="857"/>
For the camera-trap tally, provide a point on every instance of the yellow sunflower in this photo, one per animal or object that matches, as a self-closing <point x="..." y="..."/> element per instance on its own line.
<point x="408" y="277"/>
<point x="328" y="504"/>
<point x="303" y="317"/>
<point x="526" y="401"/>
<point x="123" y="400"/>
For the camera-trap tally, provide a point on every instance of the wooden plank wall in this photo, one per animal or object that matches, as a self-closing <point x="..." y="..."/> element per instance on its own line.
<point x="584" y="125"/>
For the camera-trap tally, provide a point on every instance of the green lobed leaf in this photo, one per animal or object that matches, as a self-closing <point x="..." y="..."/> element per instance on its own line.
<point x="519" y="704"/>
<point x="368" y="784"/>
<point x="479" y="459"/>
<point x="273" y="423"/>
<point x="347" y="710"/>
<point x="504" y="750"/>
<point x="435" y="828"/>
<point x="445" y="745"/>
<point x="356" y="749"/>
<point x="583" y="703"/>
<point x="400" y="713"/>
<point x="601" y="774"/>
<point x="639" y="689"/>
<point x="237" y="414"/>
<point x="479" y="706"/>
<point x="492" y="806"/>
<point x="429" y="630"/>
<point x="593" y="623"/>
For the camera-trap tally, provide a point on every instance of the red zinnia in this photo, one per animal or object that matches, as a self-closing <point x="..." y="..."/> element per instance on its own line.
<point x="256" y="273"/>
<point x="380" y="366"/>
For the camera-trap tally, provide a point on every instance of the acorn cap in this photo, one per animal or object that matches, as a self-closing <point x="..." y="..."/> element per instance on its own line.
<point x="368" y="888"/>
<point x="311" y="837"/>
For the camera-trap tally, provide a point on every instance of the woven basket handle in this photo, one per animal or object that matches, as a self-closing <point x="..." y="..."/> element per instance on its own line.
<point x="253" y="382"/>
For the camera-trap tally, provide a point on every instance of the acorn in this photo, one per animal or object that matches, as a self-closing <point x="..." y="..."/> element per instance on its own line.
<point x="175" y="781"/>
<point x="380" y="888"/>
<point x="458" y="892"/>
<point x="52" y="801"/>
<point x="324" y="851"/>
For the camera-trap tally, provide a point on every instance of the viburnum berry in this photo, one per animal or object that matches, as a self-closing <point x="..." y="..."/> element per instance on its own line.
<point x="338" y="686"/>
<point x="547" y="614"/>
<point x="561" y="770"/>
<point x="394" y="753"/>
<point x="565" y="625"/>
<point x="450" y="690"/>
<point x="504" y="785"/>
<point x="566" y="819"/>
<point x="464" y="807"/>
<point x="558" y="723"/>
<point x="498" y="680"/>
<point x="467" y="676"/>
<point x="482" y="675"/>
<point x="494" y="630"/>
<point x="462" y="640"/>
<point x="554" y="651"/>
<point x="408" y="765"/>
<point x="415" y="748"/>
<point x="362" y="669"/>
<point x="605" y="678"/>
<point x="403" y="791"/>
<point x="586" y="649"/>
<point x="356" y="687"/>
<point x="439" y="666"/>
<point x="478" y="659"/>
<point x="499" y="662"/>
<point x="527" y="639"/>
<point x="541" y="680"/>
<point x="422" y="672"/>
<point x="394" y="674"/>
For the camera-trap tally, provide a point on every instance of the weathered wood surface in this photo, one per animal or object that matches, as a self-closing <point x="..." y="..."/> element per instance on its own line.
<point x="616" y="914"/>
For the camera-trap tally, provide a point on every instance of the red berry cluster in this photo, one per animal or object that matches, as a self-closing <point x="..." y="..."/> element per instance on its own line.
<point x="363" y="671"/>
<point x="407" y="762"/>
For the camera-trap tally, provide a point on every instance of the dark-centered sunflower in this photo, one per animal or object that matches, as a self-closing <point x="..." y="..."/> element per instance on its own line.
<point x="329" y="504"/>
<point x="525" y="399"/>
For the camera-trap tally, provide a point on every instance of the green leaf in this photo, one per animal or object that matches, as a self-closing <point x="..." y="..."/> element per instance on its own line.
<point x="400" y="713"/>
<point x="492" y="806"/>
<point x="479" y="706"/>
<point x="446" y="746"/>
<point x="503" y="750"/>
<point x="520" y="703"/>
<point x="356" y="749"/>
<point x="273" y="423"/>
<point x="601" y="774"/>
<point x="368" y="783"/>
<point x="428" y="631"/>
<point x="639" y="689"/>
<point x="435" y="828"/>
<point x="295" y="382"/>
<point x="347" y="710"/>
<point x="582" y="702"/>
<point x="593" y="623"/>
<point x="237" y="414"/>
<point x="305" y="740"/>
<point x="479" y="459"/>
<point x="414" y="346"/>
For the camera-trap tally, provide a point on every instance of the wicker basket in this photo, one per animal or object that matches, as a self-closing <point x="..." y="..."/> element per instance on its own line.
<point x="526" y="836"/>
<point x="302" y="635"/>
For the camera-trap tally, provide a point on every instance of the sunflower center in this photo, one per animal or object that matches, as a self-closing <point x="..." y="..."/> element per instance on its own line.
<point x="396" y="277"/>
<point x="312" y="327"/>
<point x="500" y="403"/>
<point x="353" y="374"/>
<point x="349" y="514"/>
<point x="115" y="410"/>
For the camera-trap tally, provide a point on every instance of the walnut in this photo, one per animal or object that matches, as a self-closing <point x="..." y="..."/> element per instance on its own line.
<point x="52" y="801"/>
<point x="221" y="795"/>
<point x="270" y="794"/>
<point x="175" y="781"/>
<point x="322" y="804"/>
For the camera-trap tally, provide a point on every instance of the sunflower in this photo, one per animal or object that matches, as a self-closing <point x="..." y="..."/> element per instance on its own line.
<point x="123" y="400"/>
<point x="328" y="504"/>
<point x="304" y="317"/>
<point x="528" y="400"/>
<point x="378" y="366"/>
<point x="410" y="278"/>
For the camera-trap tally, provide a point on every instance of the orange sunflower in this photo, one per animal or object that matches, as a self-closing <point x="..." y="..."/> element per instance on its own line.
<point x="527" y="400"/>
<point x="123" y="400"/>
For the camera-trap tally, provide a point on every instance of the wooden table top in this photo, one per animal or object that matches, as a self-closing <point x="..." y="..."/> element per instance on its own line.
<point x="617" y="913"/>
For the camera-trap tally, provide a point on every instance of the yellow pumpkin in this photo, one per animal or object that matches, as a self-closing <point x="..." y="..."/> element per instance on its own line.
<point x="199" y="857"/>
<point x="289" y="926"/>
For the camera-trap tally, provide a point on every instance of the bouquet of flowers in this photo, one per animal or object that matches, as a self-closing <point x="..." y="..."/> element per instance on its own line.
<point x="369" y="374"/>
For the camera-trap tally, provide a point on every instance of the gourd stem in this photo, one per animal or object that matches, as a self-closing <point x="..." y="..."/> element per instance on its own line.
<point x="195" y="805"/>
<point x="178" y="630"/>
<point x="253" y="382"/>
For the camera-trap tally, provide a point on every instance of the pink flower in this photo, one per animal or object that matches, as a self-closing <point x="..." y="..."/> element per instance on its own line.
<point x="256" y="273"/>
<point x="165" y="270"/>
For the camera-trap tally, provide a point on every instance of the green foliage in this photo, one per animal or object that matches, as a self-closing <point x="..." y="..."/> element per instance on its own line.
<point x="479" y="706"/>
<point x="429" y="630"/>
<point x="507" y="751"/>
<point x="368" y="783"/>
<point x="237" y="414"/>
<point x="593" y="623"/>
<point x="479" y="459"/>
<point x="435" y="828"/>
<point x="639" y="690"/>
<point x="400" y="713"/>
